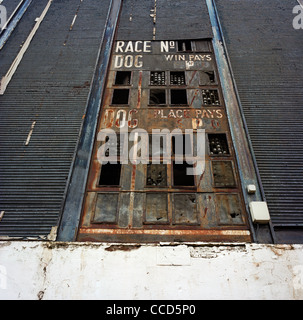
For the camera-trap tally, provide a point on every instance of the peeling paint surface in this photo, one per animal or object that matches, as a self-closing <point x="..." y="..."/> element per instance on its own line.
<point x="55" y="270"/>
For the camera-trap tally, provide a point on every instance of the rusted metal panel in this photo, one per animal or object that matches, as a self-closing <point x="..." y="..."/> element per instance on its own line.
<point x="185" y="209"/>
<point x="152" y="235"/>
<point x="223" y="174"/>
<point x="106" y="208"/>
<point x="229" y="209"/>
<point x="156" y="211"/>
<point x="155" y="85"/>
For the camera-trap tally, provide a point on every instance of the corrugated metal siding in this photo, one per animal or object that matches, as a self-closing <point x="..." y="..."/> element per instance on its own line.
<point x="14" y="42"/>
<point x="50" y="87"/>
<point x="266" y="58"/>
<point x="10" y="6"/>
<point x="175" y="20"/>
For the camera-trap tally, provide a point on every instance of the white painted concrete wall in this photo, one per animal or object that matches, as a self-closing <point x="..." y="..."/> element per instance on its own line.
<point x="50" y="270"/>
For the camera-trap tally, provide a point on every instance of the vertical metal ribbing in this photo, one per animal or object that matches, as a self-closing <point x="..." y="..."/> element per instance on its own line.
<point x="13" y="21"/>
<point x="73" y="204"/>
<point x="247" y="165"/>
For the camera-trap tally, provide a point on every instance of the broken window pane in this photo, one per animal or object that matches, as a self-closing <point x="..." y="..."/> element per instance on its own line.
<point x="159" y="146"/>
<point x="114" y="145"/>
<point x="183" y="145"/>
<point x="120" y="96"/>
<point x="218" y="144"/>
<point x="156" y="175"/>
<point x="184" y="46"/>
<point x="207" y="78"/>
<point x="181" y="178"/>
<point x="157" y="78"/>
<point x="177" y="78"/>
<point x="110" y="174"/>
<point x="123" y="78"/>
<point x="178" y="96"/>
<point x="210" y="97"/>
<point x="157" y="96"/>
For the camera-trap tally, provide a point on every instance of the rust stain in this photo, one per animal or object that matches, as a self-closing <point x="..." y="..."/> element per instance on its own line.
<point x="86" y="84"/>
<point x="194" y="73"/>
<point x="166" y="232"/>
<point x="215" y="219"/>
<point x="194" y="97"/>
<point x="122" y="248"/>
<point x="132" y="123"/>
<point x="205" y="212"/>
<point x="139" y="90"/>
<point x="133" y="177"/>
<point x="109" y="118"/>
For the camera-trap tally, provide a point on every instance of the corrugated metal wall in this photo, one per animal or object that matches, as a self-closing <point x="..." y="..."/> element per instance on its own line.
<point x="266" y="57"/>
<point x="10" y="6"/>
<point x="174" y="20"/>
<point x="50" y="87"/>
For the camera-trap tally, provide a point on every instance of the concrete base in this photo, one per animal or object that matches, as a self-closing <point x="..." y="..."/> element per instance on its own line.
<point x="57" y="270"/>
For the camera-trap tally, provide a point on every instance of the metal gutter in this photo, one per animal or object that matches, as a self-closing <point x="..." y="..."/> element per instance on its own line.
<point x="249" y="173"/>
<point x="70" y="217"/>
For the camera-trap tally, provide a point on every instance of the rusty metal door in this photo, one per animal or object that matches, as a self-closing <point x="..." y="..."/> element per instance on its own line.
<point x="163" y="85"/>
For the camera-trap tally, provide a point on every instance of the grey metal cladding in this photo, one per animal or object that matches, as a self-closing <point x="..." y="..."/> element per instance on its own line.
<point x="50" y="87"/>
<point x="175" y="20"/>
<point x="20" y="33"/>
<point x="266" y="57"/>
<point x="10" y="6"/>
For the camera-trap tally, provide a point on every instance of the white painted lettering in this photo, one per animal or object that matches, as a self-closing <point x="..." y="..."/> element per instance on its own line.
<point x="129" y="60"/>
<point x="164" y="46"/>
<point x="219" y="114"/>
<point x="138" y="63"/>
<point x="120" y="45"/>
<point x="169" y="57"/>
<point x="179" y="113"/>
<point x="147" y="46"/>
<point x="118" y="61"/>
<point x="137" y="49"/>
<point x="129" y="47"/>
